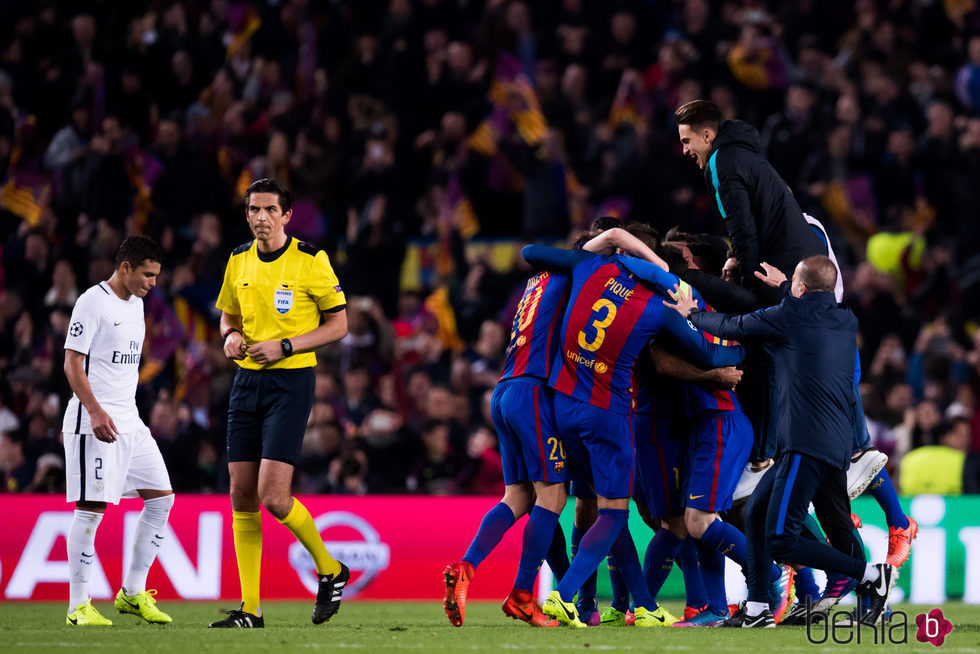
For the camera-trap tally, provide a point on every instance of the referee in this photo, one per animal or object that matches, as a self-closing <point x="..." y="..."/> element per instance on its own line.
<point x="280" y="300"/>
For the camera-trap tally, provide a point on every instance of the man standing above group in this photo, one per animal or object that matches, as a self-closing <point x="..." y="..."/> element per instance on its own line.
<point x="280" y="300"/>
<point x="762" y="218"/>
<point x="764" y="222"/>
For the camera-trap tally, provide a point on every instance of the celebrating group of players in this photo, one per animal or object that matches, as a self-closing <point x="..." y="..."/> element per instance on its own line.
<point x="607" y="385"/>
<point x="612" y="387"/>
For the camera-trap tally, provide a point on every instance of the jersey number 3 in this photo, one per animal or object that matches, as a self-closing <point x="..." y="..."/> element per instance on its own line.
<point x="599" y="325"/>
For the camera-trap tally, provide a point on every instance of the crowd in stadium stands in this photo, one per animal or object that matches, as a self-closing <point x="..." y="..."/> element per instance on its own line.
<point x="443" y="120"/>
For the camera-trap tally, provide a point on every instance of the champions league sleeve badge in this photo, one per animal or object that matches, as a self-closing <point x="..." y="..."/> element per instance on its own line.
<point x="283" y="300"/>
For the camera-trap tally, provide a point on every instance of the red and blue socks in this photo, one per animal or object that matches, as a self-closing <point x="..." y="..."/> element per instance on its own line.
<point x="659" y="560"/>
<point x="694" y="583"/>
<point x="539" y="532"/>
<point x="882" y="489"/>
<point x="595" y="544"/>
<point x="495" y="524"/>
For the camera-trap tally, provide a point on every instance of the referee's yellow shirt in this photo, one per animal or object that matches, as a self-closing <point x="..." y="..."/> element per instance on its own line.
<point x="279" y="297"/>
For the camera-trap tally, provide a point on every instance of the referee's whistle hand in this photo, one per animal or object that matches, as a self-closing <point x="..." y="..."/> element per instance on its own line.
<point x="265" y="352"/>
<point x="235" y="346"/>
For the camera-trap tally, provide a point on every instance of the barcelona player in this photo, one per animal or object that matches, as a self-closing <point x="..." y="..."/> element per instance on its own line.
<point x="660" y="441"/>
<point x="607" y="324"/>
<point x="531" y="450"/>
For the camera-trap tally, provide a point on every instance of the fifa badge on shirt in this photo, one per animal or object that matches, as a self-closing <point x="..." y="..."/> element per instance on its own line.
<point x="284" y="300"/>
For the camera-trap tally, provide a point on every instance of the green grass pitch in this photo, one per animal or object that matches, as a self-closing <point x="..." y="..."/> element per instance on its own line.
<point x="379" y="627"/>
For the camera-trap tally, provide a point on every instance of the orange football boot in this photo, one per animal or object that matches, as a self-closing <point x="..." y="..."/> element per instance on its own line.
<point x="520" y="605"/>
<point x="900" y="543"/>
<point x="458" y="577"/>
<point x="691" y="611"/>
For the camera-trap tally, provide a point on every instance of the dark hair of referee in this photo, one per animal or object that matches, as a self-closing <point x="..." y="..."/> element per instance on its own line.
<point x="266" y="185"/>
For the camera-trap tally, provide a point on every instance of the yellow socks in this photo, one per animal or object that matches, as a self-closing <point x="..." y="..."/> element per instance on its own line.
<point x="247" y="529"/>
<point x="300" y="522"/>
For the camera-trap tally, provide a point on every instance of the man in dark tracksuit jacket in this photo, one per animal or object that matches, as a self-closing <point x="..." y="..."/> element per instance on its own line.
<point x="764" y="222"/>
<point x="762" y="217"/>
<point x="815" y="343"/>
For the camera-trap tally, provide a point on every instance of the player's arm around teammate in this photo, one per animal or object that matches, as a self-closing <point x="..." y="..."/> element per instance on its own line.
<point x="617" y="238"/>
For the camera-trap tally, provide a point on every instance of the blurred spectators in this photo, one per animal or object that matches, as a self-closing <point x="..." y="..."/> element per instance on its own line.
<point x="938" y="468"/>
<point x="423" y="140"/>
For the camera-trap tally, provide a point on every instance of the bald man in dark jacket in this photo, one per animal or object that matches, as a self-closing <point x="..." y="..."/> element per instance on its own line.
<point x="814" y="342"/>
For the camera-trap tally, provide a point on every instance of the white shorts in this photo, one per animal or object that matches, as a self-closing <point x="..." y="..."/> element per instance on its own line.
<point x="97" y="471"/>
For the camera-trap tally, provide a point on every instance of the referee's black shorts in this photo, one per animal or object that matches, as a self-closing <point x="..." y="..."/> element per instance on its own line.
<point x="267" y="414"/>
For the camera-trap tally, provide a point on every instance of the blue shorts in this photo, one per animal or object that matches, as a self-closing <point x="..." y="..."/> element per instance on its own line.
<point x="639" y="494"/>
<point x="720" y="447"/>
<point x="659" y="458"/>
<point x="604" y="439"/>
<point x="530" y="448"/>
<point x="581" y="486"/>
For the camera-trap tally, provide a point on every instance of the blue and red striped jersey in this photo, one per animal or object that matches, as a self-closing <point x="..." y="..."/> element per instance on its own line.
<point x="610" y="318"/>
<point x="532" y="345"/>
<point x="686" y="398"/>
<point x="699" y="398"/>
<point x="650" y="387"/>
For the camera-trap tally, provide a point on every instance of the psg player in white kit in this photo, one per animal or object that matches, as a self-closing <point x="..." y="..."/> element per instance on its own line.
<point x="109" y="452"/>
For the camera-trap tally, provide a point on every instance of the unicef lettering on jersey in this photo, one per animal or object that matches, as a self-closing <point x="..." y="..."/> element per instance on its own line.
<point x="110" y="332"/>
